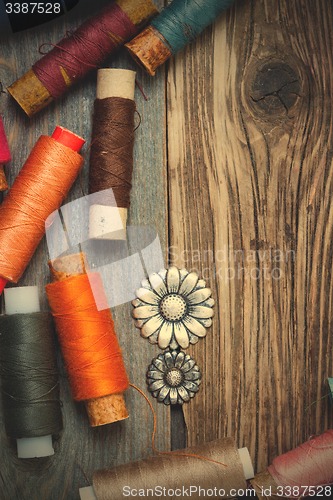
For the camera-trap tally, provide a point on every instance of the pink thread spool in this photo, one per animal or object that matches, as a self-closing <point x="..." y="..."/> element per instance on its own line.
<point x="299" y="472"/>
<point x="5" y="156"/>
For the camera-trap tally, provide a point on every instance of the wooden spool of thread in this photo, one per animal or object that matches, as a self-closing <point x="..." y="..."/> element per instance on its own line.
<point x="177" y="25"/>
<point x="73" y="57"/>
<point x="29" y="374"/>
<point x="309" y="465"/>
<point x="38" y="190"/>
<point x="5" y="156"/>
<point x="111" y="156"/>
<point x="168" y="475"/>
<point x="88" y="341"/>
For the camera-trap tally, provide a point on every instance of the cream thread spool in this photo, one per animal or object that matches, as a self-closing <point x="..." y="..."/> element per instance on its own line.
<point x="107" y="222"/>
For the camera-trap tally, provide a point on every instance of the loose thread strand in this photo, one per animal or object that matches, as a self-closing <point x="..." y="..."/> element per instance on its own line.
<point x="170" y="452"/>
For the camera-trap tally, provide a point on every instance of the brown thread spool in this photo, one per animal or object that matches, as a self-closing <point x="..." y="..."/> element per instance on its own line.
<point x="109" y="222"/>
<point x="177" y="471"/>
<point x="33" y="96"/>
<point x="106" y="409"/>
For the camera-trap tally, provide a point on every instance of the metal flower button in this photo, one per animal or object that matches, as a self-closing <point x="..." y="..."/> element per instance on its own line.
<point x="173" y="308"/>
<point x="173" y="377"/>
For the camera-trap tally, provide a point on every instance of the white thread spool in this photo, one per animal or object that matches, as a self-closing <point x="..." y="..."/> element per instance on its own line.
<point x="110" y="222"/>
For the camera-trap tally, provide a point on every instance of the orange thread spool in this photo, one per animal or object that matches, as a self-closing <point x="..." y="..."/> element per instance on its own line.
<point x="37" y="191"/>
<point x="89" y="344"/>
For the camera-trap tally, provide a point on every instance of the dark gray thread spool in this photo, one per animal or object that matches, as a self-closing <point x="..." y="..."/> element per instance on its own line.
<point x="30" y="387"/>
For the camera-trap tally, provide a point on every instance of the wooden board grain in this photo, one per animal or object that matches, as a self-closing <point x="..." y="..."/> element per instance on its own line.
<point x="80" y="450"/>
<point x="250" y="185"/>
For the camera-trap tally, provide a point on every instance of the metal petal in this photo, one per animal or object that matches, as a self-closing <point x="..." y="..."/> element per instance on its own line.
<point x="173" y="343"/>
<point x="206" y="322"/>
<point x="144" y="312"/>
<point x="145" y="284"/>
<point x="153" y="339"/>
<point x="183" y="393"/>
<point x="173" y="395"/>
<point x="162" y="273"/>
<point x="188" y="284"/>
<point x="190" y="386"/>
<point x="180" y="359"/>
<point x="147" y="296"/>
<point x="198" y="296"/>
<point x="192" y="375"/>
<point x="201" y="312"/>
<point x="181" y="335"/>
<point x="160" y="365"/>
<point x="201" y="284"/>
<point x="194" y="326"/>
<point x="188" y="365"/>
<point x="165" y="335"/>
<point x="168" y="360"/>
<point x="182" y="273"/>
<point x="210" y="302"/>
<point x="163" y="393"/>
<point x="158" y="384"/>
<point x="139" y="323"/>
<point x="151" y="326"/>
<point x="172" y="279"/>
<point x="158" y="284"/>
<point x="155" y="375"/>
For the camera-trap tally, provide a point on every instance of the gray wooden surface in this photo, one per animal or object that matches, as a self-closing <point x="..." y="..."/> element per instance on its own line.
<point x="213" y="167"/>
<point x="80" y="448"/>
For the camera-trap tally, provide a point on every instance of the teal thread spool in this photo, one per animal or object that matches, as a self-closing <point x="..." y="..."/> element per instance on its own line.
<point x="177" y="25"/>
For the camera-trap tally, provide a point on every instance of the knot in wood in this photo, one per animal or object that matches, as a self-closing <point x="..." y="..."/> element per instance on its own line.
<point x="275" y="88"/>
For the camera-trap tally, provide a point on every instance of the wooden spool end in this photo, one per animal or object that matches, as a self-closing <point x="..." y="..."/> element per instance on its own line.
<point x="30" y="93"/>
<point x="3" y="181"/>
<point x="149" y="50"/>
<point x="106" y="409"/>
<point x="265" y="486"/>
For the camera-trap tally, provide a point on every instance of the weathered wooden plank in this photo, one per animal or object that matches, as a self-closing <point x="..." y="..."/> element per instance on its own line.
<point x="80" y="447"/>
<point x="250" y="183"/>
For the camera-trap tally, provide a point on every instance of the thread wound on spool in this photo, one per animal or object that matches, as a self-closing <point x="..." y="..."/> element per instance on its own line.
<point x="38" y="190"/>
<point x="111" y="157"/>
<point x="72" y="58"/>
<point x="310" y="464"/>
<point x="29" y="376"/>
<point x="88" y="341"/>
<point x="181" y="22"/>
<point x="174" y="471"/>
<point x="5" y="156"/>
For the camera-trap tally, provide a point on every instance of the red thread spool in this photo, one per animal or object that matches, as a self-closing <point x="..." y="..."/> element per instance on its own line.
<point x="38" y="190"/>
<point x="72" y="58"/>
<point x="5" y="156"/>
<point x="88" y="340"/>
<point x="292" y="474"/>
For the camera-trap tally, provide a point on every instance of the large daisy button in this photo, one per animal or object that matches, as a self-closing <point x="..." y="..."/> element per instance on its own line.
<point x="173" y="308"/>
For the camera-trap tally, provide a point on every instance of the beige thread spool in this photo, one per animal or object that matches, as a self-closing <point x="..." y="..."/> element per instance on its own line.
<point x="175" y="472"/>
